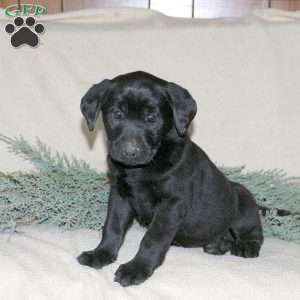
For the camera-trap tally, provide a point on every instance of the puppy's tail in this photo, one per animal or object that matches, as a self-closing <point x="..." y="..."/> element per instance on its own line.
<point x="278" y="211"/>
<point x="242" y="192"/>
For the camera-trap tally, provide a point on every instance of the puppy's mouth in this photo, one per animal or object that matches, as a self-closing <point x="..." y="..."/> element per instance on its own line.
<point x="133" y="159"/>
<point x="134" y="162"/>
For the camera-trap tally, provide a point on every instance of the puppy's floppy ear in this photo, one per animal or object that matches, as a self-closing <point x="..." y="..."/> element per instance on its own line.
<point x="92" y="102"/>
<point x="183" y="105"/>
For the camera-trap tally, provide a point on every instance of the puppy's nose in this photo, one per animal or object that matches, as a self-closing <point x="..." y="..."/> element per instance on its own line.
<point x="131" y="150"/>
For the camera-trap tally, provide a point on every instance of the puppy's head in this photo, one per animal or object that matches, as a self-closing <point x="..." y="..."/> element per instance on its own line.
<point x="138" y="111"/>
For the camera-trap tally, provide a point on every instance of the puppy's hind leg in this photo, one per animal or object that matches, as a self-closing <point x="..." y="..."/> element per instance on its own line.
<point x="246" y="229"/>
<point x="220" y="245"/>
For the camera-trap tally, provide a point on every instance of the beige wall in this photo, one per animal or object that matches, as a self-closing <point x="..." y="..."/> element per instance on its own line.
<point x="182" y="8"/>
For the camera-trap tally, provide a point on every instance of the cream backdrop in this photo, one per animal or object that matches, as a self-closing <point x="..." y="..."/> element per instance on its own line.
<point x="244" y="75"/>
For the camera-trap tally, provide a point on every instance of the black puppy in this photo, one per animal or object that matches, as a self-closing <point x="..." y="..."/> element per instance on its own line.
<point x="163" y="180"/>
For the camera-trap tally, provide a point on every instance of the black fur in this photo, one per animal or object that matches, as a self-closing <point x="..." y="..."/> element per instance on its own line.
<point x="163" y="180"/>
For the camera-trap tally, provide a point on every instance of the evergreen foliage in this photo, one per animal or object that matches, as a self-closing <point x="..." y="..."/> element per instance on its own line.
<point x="68" y="193"/>
<point x="62" y="191"/>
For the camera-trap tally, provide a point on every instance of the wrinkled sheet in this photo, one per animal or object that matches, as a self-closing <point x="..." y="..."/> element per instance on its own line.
<point x="40" y="263"/>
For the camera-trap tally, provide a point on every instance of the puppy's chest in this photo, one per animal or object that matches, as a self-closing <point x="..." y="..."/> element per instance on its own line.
<point x="144" y="198"/>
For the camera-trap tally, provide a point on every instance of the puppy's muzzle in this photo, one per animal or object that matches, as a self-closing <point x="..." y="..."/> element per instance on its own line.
<point x="131" y="151"/>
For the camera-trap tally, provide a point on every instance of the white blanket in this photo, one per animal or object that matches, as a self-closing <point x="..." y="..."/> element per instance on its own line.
<point x="40" y="264"/>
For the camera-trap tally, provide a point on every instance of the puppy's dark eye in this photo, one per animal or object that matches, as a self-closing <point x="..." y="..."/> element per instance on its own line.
<point x="117" y="114"/>
<point x="150" y="118"/>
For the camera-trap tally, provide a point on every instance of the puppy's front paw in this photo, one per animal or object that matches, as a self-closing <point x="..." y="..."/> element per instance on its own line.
<point x="246" y="249"/>
<point x="132" y="273"/>
<point x="95" y="259"/>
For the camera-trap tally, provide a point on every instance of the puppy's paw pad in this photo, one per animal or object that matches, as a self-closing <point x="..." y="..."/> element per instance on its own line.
<point x="131" y="274"/>
<point x="246" y="249"/>
<point x="95" y="259"/>
<point x="219" y="248"/>
<point x="214" y="250"/>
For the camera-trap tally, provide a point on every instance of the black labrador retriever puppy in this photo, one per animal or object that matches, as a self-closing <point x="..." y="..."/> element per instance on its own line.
<point x="163" y="180"/>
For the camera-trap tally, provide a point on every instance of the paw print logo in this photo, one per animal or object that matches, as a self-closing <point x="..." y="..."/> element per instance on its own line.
<point x="24" y="32"/>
